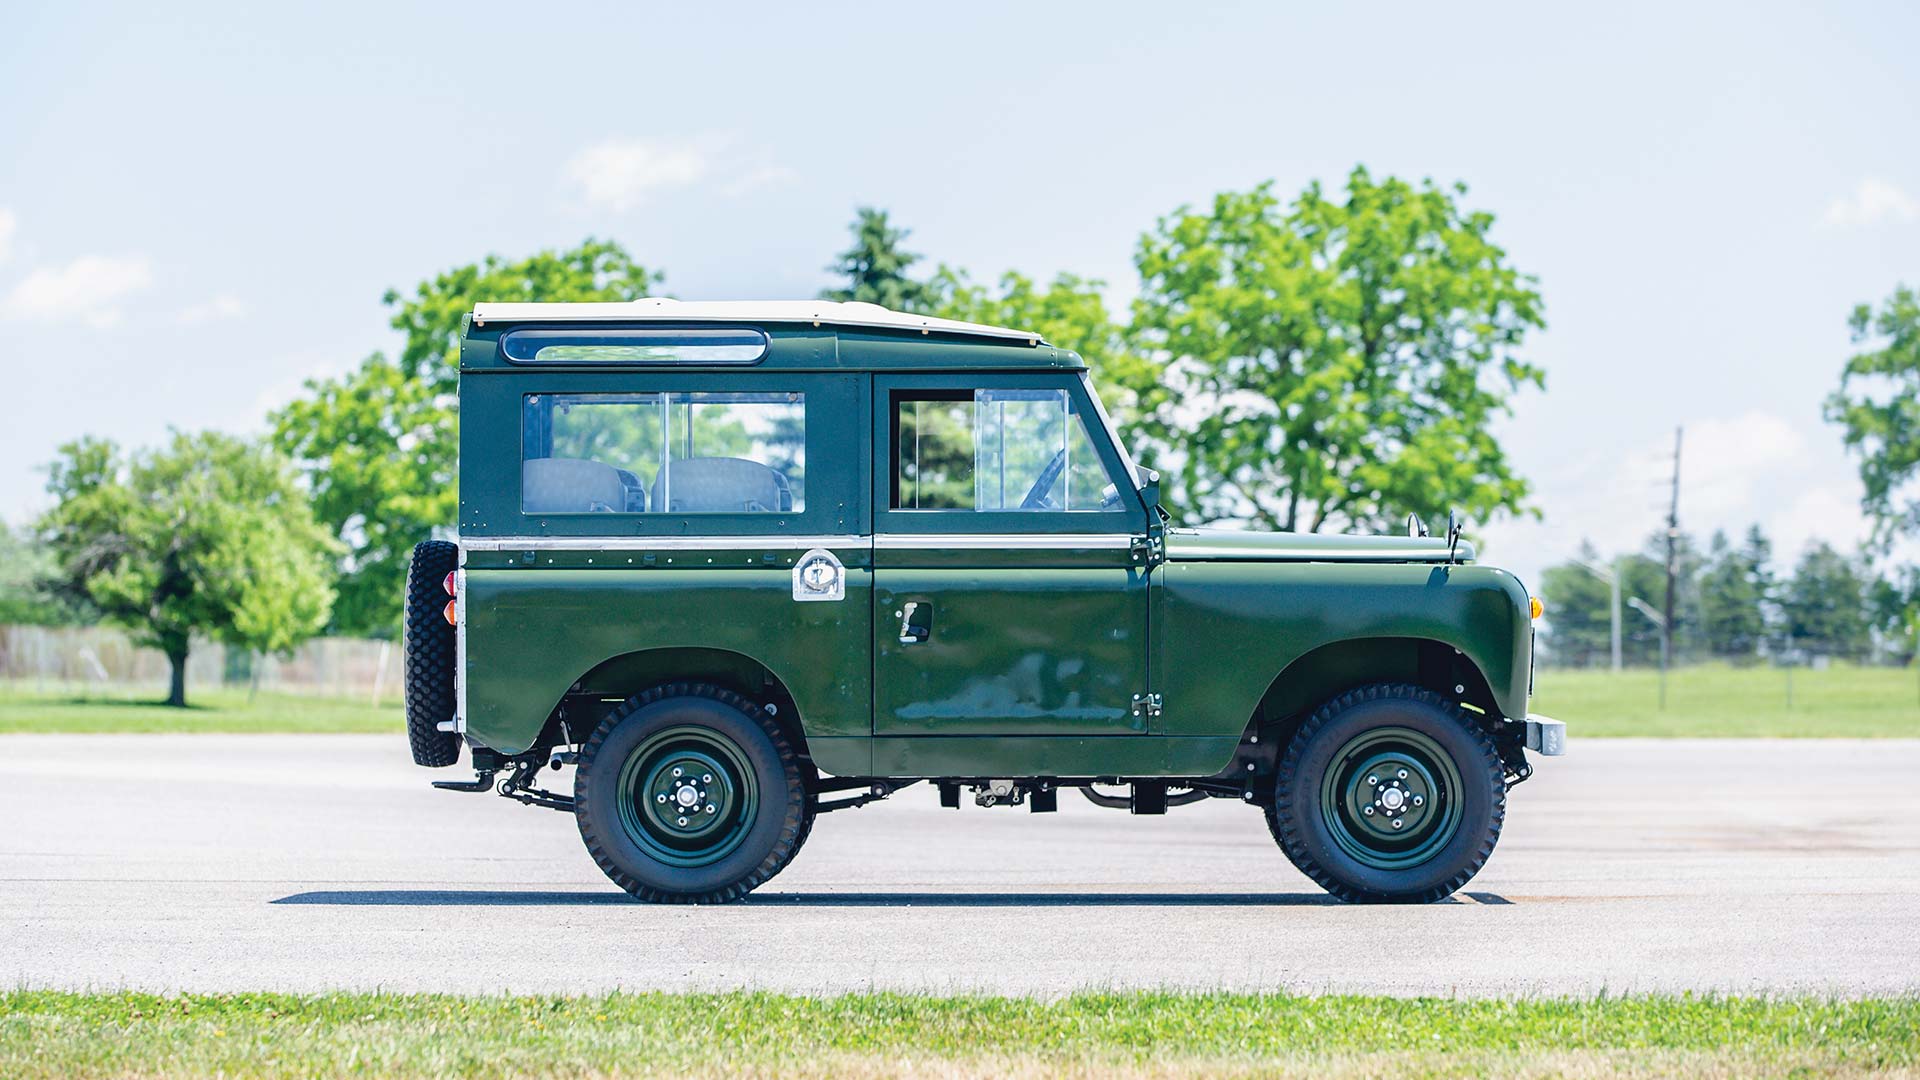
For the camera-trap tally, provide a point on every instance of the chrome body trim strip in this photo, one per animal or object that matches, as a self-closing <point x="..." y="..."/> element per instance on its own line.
<point x="1004" y="541"/>
<point x="763" y="542"/>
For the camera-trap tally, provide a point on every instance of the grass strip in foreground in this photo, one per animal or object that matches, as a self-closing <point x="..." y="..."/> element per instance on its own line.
<point x="57" y="1034"/>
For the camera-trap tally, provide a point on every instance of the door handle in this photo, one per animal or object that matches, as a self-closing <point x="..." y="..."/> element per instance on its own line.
<point x="916" y="622"/>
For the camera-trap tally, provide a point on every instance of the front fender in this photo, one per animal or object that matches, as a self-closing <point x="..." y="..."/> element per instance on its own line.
<point x="1224" y="631"/>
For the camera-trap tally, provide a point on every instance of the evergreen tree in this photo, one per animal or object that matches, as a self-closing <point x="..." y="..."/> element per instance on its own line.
<point x="875" y="267"/>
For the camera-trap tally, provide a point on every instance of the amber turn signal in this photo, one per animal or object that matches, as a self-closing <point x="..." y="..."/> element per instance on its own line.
<point x="1535" y="606"/>
<point x="452" y="619"/>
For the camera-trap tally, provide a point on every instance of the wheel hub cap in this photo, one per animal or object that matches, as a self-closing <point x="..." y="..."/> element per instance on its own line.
<point x="689" y="796"/>
<point x="1390" y="798"/>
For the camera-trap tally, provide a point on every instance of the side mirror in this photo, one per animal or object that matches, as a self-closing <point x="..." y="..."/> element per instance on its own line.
<point x="1415" y="527"/>
<point x="1453" y="533"/>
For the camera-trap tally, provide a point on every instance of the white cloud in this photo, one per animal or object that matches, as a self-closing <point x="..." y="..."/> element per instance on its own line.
<point x="86" y="289"/>
<point x="1757" y="467"/>
<point x="9" y="224"/>
<point x="1874" y="202"/>
<point x="222" y="307"/>
<point x="620" y="174"/>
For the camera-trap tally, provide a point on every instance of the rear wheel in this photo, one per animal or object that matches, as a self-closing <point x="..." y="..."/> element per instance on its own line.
<point x="1389" y="793"/>
<point x="690" y="794"/>
<point x="429" y="652"/>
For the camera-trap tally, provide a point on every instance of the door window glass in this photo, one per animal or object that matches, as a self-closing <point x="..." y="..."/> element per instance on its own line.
<point x="677" y="453"/>
<point x="996" y="450"/>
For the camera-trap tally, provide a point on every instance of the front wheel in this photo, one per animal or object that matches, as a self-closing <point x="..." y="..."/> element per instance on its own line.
<point x="1389" y="793"/>
<point x="690" y="794"/>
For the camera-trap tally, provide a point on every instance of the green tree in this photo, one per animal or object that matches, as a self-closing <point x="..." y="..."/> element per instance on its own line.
<point x="379" y="446"/>
<point x="1342" y="357"/>
<point x="1579" y="611"/>
<point x="1072" y="313"/>
<point x="211" y="536"/>
<point x="28" y="589"/>
<point x="1878" y="407"/>
<point x="1735" y="590"/>
<point x="875" y="267"/>
<point x="1824" y="604"/>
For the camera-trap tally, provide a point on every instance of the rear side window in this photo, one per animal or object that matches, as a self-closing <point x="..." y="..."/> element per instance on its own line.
<point x="665" y="453"/>
<point x="994" y="450"/>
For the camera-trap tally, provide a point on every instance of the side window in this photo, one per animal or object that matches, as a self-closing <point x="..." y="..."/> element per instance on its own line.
<point x="667" y="453"/>
<point x="995" y="450"/>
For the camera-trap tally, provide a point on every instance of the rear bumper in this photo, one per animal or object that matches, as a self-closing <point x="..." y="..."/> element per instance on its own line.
<point x="1546" y="736"/>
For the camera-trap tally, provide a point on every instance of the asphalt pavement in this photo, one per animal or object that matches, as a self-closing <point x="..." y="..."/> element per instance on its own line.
<point x="209" y="862"/>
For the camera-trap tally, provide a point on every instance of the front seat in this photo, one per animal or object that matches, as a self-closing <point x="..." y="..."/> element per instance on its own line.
<point x="571" y="486"/>
<point x="718" y="485"/>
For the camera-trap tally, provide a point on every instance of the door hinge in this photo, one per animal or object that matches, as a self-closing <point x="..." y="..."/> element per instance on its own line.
<point x="1149" y="550"/>
<point x="1146" y="705"/>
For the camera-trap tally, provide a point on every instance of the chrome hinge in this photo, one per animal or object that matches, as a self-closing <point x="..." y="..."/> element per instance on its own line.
<point x="1149" y="550"/>
<point x="1147" y="705"/>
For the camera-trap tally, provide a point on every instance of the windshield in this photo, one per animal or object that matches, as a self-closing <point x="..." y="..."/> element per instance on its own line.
<point x="1113" y="433"/>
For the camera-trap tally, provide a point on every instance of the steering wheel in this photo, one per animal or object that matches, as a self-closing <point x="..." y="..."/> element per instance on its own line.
<point x="1037" y="497"/>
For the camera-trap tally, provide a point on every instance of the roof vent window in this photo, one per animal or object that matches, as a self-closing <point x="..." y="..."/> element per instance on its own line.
<point x="652" y="346"/>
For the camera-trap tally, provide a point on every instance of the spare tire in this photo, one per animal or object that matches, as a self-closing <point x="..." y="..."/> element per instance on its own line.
<point x="430" y="655"/>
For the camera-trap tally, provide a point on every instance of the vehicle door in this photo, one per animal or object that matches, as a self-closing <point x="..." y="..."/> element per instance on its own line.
<point x="1010" y="569"/>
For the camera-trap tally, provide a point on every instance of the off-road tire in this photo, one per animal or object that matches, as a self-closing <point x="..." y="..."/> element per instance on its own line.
<point x="1297" y="819"/>
<point x="429" y="655"/>
<point x="780" y="823"/>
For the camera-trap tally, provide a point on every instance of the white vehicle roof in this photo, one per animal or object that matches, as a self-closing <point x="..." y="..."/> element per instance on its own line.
<point x="817" y="312"/>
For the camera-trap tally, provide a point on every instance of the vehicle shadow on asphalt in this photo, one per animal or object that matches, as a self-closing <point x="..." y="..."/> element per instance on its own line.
<point x="530" y="898"/>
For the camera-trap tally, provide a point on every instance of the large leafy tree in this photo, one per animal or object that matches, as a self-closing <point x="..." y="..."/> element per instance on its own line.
<point x="1341" y="358"/>
<point x="1878" y="407"/>
<point x="875" y="267"/>
<point x="380" y="445"/>
<point x="211" y="535"/>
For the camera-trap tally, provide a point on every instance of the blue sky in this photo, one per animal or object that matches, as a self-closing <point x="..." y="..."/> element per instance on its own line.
<point x="200" y="205"/>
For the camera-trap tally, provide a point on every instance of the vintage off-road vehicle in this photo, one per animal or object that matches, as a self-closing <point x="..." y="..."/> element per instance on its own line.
<point x="746" y="563"/>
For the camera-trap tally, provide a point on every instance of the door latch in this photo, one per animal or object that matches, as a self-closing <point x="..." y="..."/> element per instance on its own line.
<point x="916" y="622"/>
<point x="1146" y="705"/>
<point x="1149" y="550"/>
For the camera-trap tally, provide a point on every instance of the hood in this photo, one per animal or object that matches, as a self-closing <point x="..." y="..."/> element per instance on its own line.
<point x="1232" y="545"/>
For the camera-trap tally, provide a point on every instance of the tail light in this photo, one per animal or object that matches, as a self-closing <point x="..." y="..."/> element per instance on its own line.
<point x="448" y="583"/>
<point x="451" y="611"/>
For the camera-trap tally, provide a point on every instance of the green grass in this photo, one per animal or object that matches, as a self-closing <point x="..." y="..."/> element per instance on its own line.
<point x="23" y="710"/>
<point x="51" y="1034"/>
<point x="1718" y="700"/>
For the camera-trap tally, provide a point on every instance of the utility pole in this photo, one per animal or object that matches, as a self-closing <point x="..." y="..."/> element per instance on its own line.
<point x="1673" y="566"/>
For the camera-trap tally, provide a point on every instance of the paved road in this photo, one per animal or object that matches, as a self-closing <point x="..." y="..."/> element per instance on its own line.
<point x="295" y="862"/>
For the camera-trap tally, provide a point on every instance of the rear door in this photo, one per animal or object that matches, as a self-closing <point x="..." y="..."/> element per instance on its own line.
<point x="1009" y="594"/>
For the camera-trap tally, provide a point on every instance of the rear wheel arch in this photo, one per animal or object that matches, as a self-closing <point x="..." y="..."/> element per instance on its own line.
<point x="613" y="681"/>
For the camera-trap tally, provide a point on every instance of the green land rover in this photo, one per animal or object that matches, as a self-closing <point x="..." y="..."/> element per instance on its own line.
<point x="746" y="563"/>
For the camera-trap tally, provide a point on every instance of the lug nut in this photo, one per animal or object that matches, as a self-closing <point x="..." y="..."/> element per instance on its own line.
<point x="710" y="810"/>
<point x="1397" y="822"/>
<point x="1367" y="810"/>
<point x="1372" y="780"/>
<point x="706" y="778"/>
<point x="1403" y="774"/>
<point x="660" y="798"/>
<point x="1419" y="801"/>
<point x="676" y="770"/>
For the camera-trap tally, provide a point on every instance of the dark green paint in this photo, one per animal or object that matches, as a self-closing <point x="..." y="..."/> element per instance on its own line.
<point x="1032" y="657"/>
